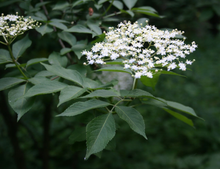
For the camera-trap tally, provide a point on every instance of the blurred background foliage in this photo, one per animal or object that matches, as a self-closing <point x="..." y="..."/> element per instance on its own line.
<point x="171" y="144"/>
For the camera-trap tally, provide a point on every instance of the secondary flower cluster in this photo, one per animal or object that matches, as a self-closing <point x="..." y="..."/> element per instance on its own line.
<point x="144" y="50"/>
<point x="13" y="25"/>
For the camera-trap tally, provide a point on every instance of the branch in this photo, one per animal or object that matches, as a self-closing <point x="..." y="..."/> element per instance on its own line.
<point x="55" y="30"/>
<point x="12" y="126"/>
<point x="46" y="135"/>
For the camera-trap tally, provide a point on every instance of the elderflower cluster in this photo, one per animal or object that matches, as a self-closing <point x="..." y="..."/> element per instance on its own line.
<point x="144" y="50"/>
<point x="13" y="25"/>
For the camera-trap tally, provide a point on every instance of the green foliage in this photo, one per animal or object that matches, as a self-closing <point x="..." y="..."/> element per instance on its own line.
<point x="8" y="82"/>
<point x="93" y="110"/>
<point x="18" y="102"/>
<point x="81" y="107"/>
<point x="4" y="56"/>
<point x="20" y="46"/>
<point x="133" y="118"/>
<point x="99" y="132"/>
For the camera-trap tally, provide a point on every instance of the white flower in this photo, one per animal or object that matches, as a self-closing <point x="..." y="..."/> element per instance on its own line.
<point x="134" y="67"/>
<point x="149" y="74"/>
<point x="91" y="62"/>
<point x="114" y="56"/>
<point x="188" y="62"/>
<point x="144" y="50"/>
<point x="127" y="66"/>
<point x="14" y="25"/>
<point x="138" y="75"/>
<point x="132" y="60"/>
<point x="171" y="66"/>
<point x="182" y="66"/>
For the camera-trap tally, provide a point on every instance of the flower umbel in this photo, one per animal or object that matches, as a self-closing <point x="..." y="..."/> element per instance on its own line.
<point x="13" y="25"/>
<point x="144" y="50"/>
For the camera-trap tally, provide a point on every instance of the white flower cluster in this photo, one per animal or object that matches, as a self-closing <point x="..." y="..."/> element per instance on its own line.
<point x="144" y="50"/>
<point x="13" y="25"/>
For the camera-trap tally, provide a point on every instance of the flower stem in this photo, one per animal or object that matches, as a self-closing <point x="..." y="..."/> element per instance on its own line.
<point x="113" y="14"/>
<point x="108" y="8"/>
<point x="134" y="84"/>
<point x="13" y="59"/>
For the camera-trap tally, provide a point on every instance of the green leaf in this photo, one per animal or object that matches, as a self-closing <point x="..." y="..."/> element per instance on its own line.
<point x="182" y="108"/>
<point x="41" y="4"/>
<point x="44" y="29"/>
<point x="79" y="29"/>
<point x="115" y="62"/>
<point x="162" y="103"/>
<point x="79" y="2"/>
<point x="20" y="46"/>
<point x="99" y="38"/>
<point x="4" y="56"/>
<point x="64" y="51"/>
<point x="170" y="73"/>
<point x="8" y="82"/>
<point x="118" y="4"/>
<point x="91" y="84"/>
<point x="6" y="3"/>
<point x="94" y="26"/>
<point x="108" y="85"/>
<point x="81" y="107"/>
<point x="41" y="16"/>
<point x="82" y="69"/>
<point x="135" y="93"/>
<point x="69" y="93"/>
<point x="111" y="19"/>
<point x="13" y="65"/>
<point x="102" y="93"/>
<point x="216" y="8"/>
<point x="38" y="79"/>
<point x="99" y="132"/>
<point x="44" y="73"/>
<point x="130" y="3"/>
<point x="111" y="145"/>
<point x="68" y="74"/>
<point x="35" y="61"/>
<point x="79" y="47"/>
<point x="142" y="21"/>
<point x="115" y="69"/>
<point x="180" y="117"/>
<point x="150" y="82"/>
<point x="59" y="20"/>
<point x="57" y="24"/>
<point x="68" y="37"/>
<point x="56" y="59"/>
<point x="18" y="103"/>
<point x="79" y="134"/>
<point x="129" y="12"/>
<point x="98" y="6"/>
<point x="102" y="1"/>
<point x="61" y="5"/>
<point x="133" y="118"/>
<point x="45" y="88"/>
<point x="146" y="10"/>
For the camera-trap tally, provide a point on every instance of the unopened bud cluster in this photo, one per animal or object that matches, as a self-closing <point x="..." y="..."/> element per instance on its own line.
<point x="14" y="25"/>
<point x="144" y="50"/>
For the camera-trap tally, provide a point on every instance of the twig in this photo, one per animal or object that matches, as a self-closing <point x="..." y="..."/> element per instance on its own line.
<point x="46" y="135"/>
<point x="55" y="30"/>
<point x="12" y="126"/>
